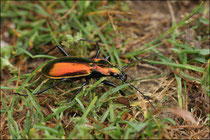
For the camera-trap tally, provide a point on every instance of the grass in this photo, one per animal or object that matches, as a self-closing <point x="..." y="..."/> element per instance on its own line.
<point x="93" y="113"/>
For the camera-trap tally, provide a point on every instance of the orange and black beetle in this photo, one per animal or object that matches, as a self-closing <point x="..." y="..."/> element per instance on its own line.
<point x="71" y="68"/>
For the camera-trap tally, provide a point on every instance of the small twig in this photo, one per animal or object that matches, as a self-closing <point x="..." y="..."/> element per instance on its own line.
<point x="69" y="11"/>
<point x="138" y="41"/>
<point x="103" y="13"/>
<point x="176" y="72"/>
<point x="172" y="14"/>
<point x="111" y="20"/>
<point x="96" y="31"/>
<point x="171" y="11"/>
<point x="163" y="92"/>
<point x="20" y="66"/>
<point x="70" y="90"/>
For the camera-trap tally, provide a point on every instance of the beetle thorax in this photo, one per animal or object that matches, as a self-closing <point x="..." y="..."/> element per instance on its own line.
<point x="106" y="70"/>
<point x="104" y="67"/>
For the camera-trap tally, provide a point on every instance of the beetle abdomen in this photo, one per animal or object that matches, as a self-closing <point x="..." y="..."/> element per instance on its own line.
<point x="68" y="67"/>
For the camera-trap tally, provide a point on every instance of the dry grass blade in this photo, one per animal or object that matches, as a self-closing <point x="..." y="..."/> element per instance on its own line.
<point x="68" y="12"/>
<point x="104" y="13"/>
<point x="111" y="20"/>
<point x="182" y="113"/>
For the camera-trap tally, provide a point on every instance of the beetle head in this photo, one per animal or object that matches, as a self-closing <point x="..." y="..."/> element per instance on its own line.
<point x="122" y="76"/>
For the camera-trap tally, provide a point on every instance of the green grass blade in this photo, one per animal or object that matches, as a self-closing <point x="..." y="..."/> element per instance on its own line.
<point x="184" y="66"/>
<point x="179" y="90"/>
<point x="83" y="117"/>
<point x="111" y="110"/>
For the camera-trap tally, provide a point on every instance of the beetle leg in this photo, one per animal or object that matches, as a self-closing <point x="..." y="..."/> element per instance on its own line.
<point x="98" y="50"/>
<point x="107" y="58"/>
<point x="60" y="49"/>
<point x="50" y="50"/>
<point x="40" y="92"/>
<point x="113" y="85"/>
<point x="97" y="45"/>
<point x="82" y="39"/>
<point x="75" y="94"/>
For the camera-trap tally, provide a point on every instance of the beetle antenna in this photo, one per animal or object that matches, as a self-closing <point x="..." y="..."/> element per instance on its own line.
<point x="19" y="94"/>
<point x="131" y="78"/>
<point x="132" y="86"/>
<point x="137" y="59"/>
<point x="145" y="97"/>
<point x="40" y="92"/>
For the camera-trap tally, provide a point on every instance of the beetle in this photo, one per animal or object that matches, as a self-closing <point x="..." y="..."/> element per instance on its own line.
<point x="73" y="68"/>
